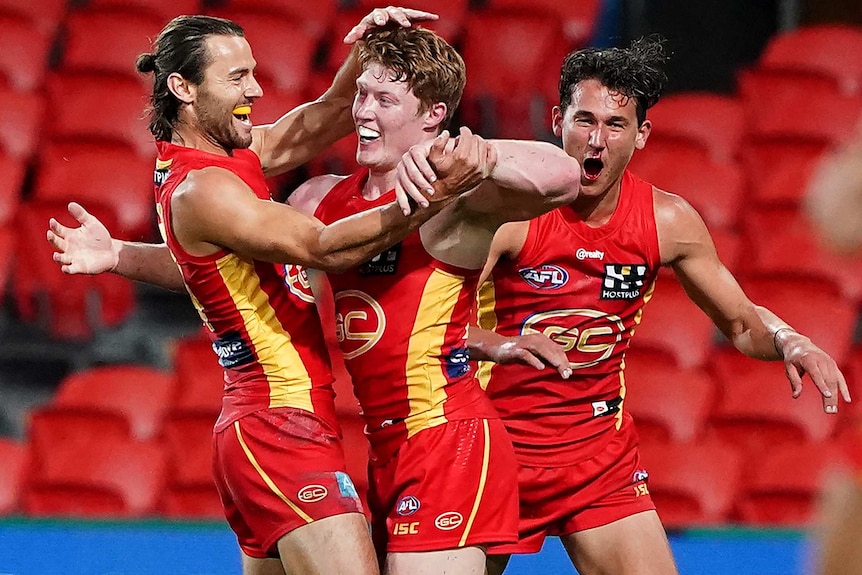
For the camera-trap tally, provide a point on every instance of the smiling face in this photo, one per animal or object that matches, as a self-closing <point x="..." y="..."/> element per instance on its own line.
<point x="599" y="128"/>
<point x="223" y="100"/>
<point x="389" y="119"/>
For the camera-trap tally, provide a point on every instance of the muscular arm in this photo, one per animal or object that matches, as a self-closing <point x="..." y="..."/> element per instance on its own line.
<point x="686" y="246"/>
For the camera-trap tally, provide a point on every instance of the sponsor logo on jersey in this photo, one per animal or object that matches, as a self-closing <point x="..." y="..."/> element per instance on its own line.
<point x="545" y="277"/>
<point x="359" y="322"/>
<point x="407" y="505"/>
<point x="448" y="521"/>
<point x="385" y="263"/>
<point x="232" y="350"/>
<point x="296" y="279"/>
<point x="163" y="170"/>
<point x="623" y="281"/>
<point x="457" y="363"/>
<point x="588" y="336"/>
<point x="583" y="254"/>
<point x="312" y="493"/>
<point x="345" y="485"/>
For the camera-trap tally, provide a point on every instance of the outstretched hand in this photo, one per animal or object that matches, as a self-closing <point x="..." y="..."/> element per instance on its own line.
<point x="87" y="249"/>
<point x="405" y="17"/>
<point x="803" y="357"/>
<point x="535" y="350"/>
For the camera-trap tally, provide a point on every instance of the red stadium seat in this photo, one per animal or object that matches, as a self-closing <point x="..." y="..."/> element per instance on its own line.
<point x="284" y="51"/>
<point x="103" y="174"/>
<point x="450" y="25"/>
<point x="825" y="50"/>
<point x="756" y="411"/>
<point x="80" y="111"/>
<point x="714" y="190"/>
<point x="13" y="455"/>
<point x="71" y="307"/>
<point x="200" y="378"/>
<point x="668" y="403"/>
<point x="21" y="116"/>
<point x="106" y="478"/>
<point x="315" y="17"/>
<point x="782" y="488"/>
<point x="164" y="10"/>
<point x="579" y="18"/>
<point x="789" y="163"/>
<point x="46" y="15"/>
<point x="139" y="393"/>
<point x="190" y="490"/>
<point x="671" y="322"/>
<point x="792" y="246"/>
<point x="339" y="158"/>
<point x="513" y="62"/>
<point x="7" y="255"/>
<point x="692" y="484"/>
<point x="11" y="187"/>
<point x="276" y="103"/>
<point x="123" y="36"/>
<point x="24" y="50"/>
<point x="728" y="244"/>
<point x="711" y="121"/>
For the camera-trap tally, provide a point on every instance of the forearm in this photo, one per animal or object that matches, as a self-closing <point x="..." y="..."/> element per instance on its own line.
<point x="148" y="263"/>
<point x="482" y="343"/>
<point x="762" y="335"/>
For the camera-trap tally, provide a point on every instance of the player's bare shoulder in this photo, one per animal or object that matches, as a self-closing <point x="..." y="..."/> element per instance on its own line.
<point x="679" y="226"/>
<point x="307" y="197"/>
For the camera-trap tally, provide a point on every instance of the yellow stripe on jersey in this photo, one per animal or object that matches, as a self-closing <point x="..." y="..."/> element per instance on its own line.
<point x="289" y="382"/>
<point x="638" y="316"/>
<point x="486" y="456"/>
<point x="424" y="370"/>
<point x="266" y="478"/>
<point x="487" y="319"/>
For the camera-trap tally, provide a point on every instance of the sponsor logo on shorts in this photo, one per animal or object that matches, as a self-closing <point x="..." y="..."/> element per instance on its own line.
<point x="411" y="528"/>
<point x="640" y="475"/>
<point x="232" y="350"/>
<point x="312" y="493"/>
<point x="448" y="521"/>
<point x="407" y="505"/>
<point x="345" y="485"/>
<point x="545" y="277"/>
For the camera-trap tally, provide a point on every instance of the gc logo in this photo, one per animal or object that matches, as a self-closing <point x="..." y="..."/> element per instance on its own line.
<point x="359" y="322"/>
<point x="296" y="280"/>
<point x="593" y="333"/>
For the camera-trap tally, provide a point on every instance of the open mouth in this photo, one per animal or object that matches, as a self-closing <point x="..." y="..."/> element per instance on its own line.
<point x="592" y="168"/>
<point x="242" y="113"/>
<point x="367" y="135"/>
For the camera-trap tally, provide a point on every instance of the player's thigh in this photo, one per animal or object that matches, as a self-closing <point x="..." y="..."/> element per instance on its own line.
<point x="258" y="566"/>
<point x="496" y="564"/>
<point x="634" y="545"/>
<point x="463" y="561"/>
<point x="336" y="544"/>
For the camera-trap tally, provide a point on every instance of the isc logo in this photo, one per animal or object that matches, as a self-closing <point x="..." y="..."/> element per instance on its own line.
<point x="406" y="528"/>
<point x="545" y="277"/>
<point x="312" y="493"/>
<point x="448" y="521"/>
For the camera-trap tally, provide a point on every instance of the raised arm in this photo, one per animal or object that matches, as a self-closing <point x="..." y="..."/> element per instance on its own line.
<point x="686" y="246"/>
<point x="304" y="132"/>
<point x="90" y="249"/>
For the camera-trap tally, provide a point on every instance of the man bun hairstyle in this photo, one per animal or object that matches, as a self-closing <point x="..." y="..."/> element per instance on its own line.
<point x="179" y="48"/>
<point x="634" y="72"/>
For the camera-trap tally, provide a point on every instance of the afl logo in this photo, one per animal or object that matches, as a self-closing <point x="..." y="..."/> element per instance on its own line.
<point x="312" y="493"/>
<point x="407" y="505"/>
<point x="359" y="322"/>
<point x="545" y="277"/>
<point x="296" y="280"/>
<point x="448" y="521"/>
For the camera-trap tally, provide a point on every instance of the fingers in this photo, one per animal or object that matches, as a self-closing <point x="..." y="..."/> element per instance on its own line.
<point x="440" y="144"/>
<point x="79" y="213"/>
<point x="795" y="379"/>
<point x="490" y="160"/>
<point x="524" y="356"/>
<point x="406" y="189"/>
<point x="842" y="387"/>
<point x="381" y="16"/>
<point x="58" y="229"/>
<point x="419" y="169"/>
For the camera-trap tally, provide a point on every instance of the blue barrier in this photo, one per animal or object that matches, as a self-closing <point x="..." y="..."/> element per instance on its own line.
<point x="43" y="547"/>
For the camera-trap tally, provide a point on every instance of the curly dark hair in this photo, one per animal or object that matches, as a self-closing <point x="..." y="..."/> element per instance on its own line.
<point x="635" y="72"/>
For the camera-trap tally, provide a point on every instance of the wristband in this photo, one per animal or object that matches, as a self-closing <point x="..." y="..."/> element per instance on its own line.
<point x="775" y="339"/>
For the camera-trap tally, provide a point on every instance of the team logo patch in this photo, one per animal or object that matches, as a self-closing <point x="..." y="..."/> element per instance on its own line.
<point x="345" y="485"/>
<point x="385" y="263"/>
<point x="359" y="322"/>
<point x="312" y="493"/>
<point x="639" y="476"/>
<point x="232" y="350"/>
<point x="545" y="277"/>
<point x="457" y="363"/>
<point x="296" y="280"/>
<point x="623" y="281"/>
<point x="407" y="505"/>
<point x="448" y="521"/>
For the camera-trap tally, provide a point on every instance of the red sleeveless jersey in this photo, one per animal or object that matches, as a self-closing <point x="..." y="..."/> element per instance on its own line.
<point x="585" y="288"/>
<point x="261" y="317"/>
<point x="401" y="321"/>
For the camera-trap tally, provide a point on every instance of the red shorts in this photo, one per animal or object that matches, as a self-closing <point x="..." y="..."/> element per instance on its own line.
<point x="276" y="470"/>
<point x="587" y="494"/>
<point x="450" y="486"/>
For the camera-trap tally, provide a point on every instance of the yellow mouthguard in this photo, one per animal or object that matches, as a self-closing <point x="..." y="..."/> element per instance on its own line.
<point x="242" y="110"/>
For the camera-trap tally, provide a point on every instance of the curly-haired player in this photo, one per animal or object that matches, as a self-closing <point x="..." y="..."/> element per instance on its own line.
<point x="568" y="289"/>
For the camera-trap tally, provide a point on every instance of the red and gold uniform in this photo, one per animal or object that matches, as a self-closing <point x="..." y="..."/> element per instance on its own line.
<point x="442" y="469"/>
<point x="585" y="288"/>
<point x="277" y="457"/>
